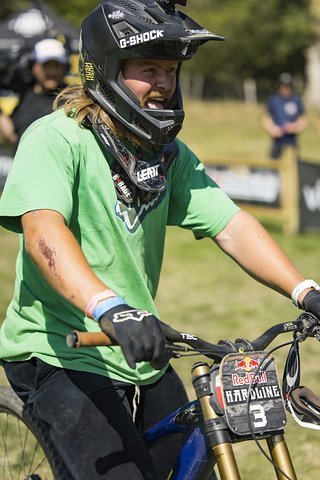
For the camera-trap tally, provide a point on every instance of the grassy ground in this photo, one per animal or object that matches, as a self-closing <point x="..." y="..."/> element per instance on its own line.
<point x="233" y="129"/>
<point x="204" y="292"/>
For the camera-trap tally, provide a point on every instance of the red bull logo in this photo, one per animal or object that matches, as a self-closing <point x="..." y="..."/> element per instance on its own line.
<point x="246" y="365"/>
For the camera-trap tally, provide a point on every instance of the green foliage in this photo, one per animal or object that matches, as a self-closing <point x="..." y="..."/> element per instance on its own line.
<point x="73" y="10"/>
<point x="262" y="38"/>
<point x="9" y="6"/>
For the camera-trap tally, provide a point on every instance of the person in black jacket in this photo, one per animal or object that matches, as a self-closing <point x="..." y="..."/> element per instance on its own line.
<point x="50" y="61"/>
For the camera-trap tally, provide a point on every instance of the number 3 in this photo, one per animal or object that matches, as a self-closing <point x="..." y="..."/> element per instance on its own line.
<point x="260" y="419"/>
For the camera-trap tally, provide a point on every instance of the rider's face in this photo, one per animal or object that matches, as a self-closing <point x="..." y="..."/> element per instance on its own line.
<point x="152" y="81"/>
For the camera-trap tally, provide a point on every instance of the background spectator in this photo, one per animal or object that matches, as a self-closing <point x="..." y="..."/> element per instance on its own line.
<point x="50" y="61"/>
<point x="285" y="116"/>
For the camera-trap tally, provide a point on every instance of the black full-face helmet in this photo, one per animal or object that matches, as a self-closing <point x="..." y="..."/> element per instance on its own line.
<point x="118" y="30"/>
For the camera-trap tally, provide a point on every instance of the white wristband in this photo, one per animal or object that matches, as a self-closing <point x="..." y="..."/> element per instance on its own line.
<point x="303" y="286"/>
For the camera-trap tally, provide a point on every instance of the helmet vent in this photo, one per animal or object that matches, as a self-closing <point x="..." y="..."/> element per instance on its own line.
<point x="173" y="49"/>
<point x="128" y="5"/>
<point x="141" y="125"/>
<point x="124" y="29"/>
<point x="160" y="48"/>
<point x="107" y="93"/>
<point x="166" y="131"/>
<point x="148" y="20"/>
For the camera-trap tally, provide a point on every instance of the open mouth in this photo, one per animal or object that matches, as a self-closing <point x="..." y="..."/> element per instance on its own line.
<point x="155" y="102"/>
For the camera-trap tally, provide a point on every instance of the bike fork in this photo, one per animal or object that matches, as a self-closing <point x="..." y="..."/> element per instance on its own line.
<point x="281" y="457"/>
<point x="220" y="441"/>
<point x="216" y="433"/>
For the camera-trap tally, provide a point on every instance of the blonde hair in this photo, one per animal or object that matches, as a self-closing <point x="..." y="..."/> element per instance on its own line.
<point x="77" y="104"/>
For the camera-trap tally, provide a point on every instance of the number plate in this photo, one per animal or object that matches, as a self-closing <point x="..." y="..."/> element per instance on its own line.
<point x="266" y="407"/>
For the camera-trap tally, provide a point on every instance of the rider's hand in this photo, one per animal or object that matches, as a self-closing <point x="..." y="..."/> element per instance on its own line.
<point x="138" y="333"/>
<point x="311" y="303"/>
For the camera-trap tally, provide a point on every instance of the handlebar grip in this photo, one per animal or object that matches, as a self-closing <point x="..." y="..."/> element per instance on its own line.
<point x="76" y="339"/>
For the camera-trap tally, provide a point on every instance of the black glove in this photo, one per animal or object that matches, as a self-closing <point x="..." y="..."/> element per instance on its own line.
<point x="138" y="333"/>
<point x="311" y="303"/>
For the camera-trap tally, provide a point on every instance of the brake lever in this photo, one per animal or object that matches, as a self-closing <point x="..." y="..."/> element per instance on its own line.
<point x="311" y="327"/>
<point x="175" y="349"/>
<point x="316" y="333"/>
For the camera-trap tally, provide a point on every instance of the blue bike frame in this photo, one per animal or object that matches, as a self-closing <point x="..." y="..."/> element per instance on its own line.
<point x="193" y="453"/>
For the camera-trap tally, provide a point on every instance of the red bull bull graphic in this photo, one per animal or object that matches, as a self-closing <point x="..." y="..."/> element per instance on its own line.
<point x="246" y="365"/>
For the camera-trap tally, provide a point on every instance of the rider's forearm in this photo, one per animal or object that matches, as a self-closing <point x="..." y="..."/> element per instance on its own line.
<point x="249" y="244"/>
<point x="59" y="257"/>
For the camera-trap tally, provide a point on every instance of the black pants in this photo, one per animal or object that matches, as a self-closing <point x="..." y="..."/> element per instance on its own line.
<point x="90" y="419"/>
<point x="278" y="145"/>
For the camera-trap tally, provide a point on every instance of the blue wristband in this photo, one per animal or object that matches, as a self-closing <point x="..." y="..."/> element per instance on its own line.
<point x="105" y="305"/>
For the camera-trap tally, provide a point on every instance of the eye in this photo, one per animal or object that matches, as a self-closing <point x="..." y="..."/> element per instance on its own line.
<point x="172" y="70"/>
<point x="149" y="70"/>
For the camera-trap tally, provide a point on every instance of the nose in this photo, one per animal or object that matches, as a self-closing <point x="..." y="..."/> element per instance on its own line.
<point x="164" y="81"/>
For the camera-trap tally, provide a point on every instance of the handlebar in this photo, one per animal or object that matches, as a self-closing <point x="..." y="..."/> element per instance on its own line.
<point x="306" y="325"/>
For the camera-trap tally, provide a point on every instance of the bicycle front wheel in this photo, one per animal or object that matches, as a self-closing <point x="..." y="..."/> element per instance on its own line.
<point x="26" y="452"/>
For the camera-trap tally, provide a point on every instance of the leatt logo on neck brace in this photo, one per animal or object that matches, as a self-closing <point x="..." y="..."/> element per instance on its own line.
<point x="149" y="172"/>
<point x="140" y="38"/>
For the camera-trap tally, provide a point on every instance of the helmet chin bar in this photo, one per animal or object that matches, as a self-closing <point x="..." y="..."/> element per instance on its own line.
<point x="158" y="127"/>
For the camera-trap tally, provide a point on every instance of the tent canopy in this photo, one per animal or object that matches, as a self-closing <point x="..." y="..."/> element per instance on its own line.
<point x="19" y="33"/>
<point x="26" y="27"/>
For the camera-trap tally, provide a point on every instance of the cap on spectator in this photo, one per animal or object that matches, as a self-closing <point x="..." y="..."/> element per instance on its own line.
<point x="285" y="79"/>
<point x="50" y="49"/>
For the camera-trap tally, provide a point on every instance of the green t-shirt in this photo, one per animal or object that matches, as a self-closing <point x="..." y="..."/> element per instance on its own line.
<point x="60" y="166"/>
